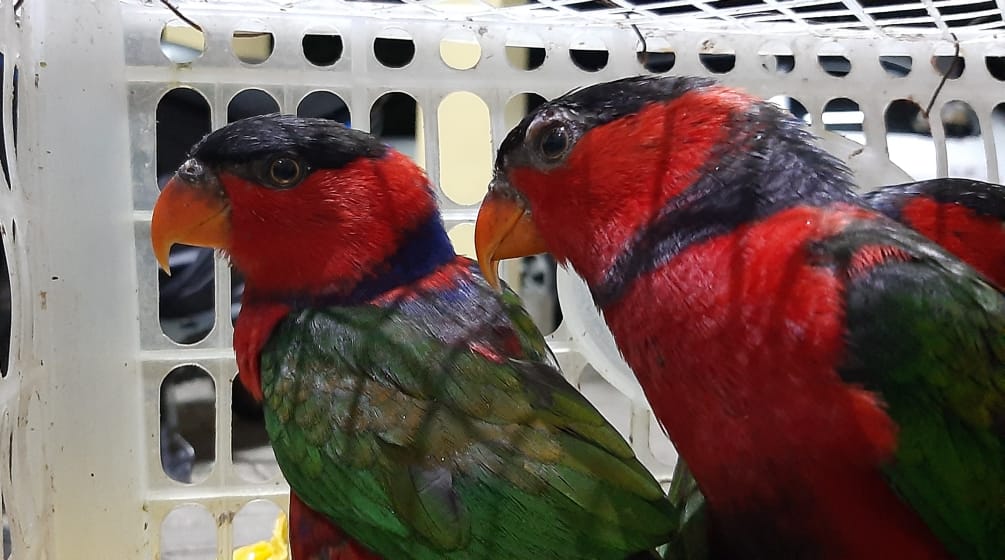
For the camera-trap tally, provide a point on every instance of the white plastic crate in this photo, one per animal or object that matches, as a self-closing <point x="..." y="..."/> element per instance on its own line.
<point x="79" y="418"/>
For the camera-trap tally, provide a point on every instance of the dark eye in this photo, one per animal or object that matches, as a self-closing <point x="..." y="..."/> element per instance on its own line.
<point x="284" y="171"/>
<point x="553" y="142"/>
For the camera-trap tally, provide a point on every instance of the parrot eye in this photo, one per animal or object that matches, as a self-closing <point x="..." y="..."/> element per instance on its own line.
<point x="285" y="172"/>
<point x="553" y="142"/>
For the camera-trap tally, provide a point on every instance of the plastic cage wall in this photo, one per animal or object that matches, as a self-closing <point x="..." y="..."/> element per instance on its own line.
<point x="84" y="84"/>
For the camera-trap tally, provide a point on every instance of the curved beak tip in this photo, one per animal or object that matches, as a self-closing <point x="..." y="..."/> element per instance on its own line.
<point x="504" y="230"/>
<point x="490" y="270"/>
<point x="164" y="266"/>
<point x="160" y="241"/>
<point x="189" y="214"/>
<point x="162" y="252"/>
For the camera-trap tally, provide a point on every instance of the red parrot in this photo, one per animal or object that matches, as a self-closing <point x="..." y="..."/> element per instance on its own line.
<point x="964" y="216"/>
<point x="833" y="379"/>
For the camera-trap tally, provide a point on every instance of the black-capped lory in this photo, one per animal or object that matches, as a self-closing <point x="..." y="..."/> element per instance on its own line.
<point x="833" y="379"/>
<point x="408" y="403"/>
<point x="964" y="216"/>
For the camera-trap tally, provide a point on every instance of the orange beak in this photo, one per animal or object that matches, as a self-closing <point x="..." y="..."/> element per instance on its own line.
<point x="189" y="213"/>
<point x="504" y="230"/>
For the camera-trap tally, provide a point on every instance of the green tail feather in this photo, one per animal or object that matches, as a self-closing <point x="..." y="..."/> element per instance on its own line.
<point x="690" y="542"/>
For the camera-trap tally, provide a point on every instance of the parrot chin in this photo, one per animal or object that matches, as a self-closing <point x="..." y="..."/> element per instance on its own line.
<point x="188" y="213"/>
<point x="504" y="230"/>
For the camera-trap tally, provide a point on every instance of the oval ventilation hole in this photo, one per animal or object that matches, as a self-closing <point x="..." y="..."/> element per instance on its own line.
<point x="959" y="120"/>
<point x="322" y="49"/>
<point x="717" y="58"/>
<point x="776" y="58"/>
<point x="188" y="532"/>
<point x="946" y="62"/>
<point x="460" y="50"/>
<point x="255" y="522"/>
<point x="833" y="60"/>
<point x="996" y="66"/>
<point x="395" y="118"/>
<point x="465" y="136"/>
<point x="188" y="424"/>
<point x="909" y="139"/>
<point x="950" y="66"/>
<point x="249" y="103"/>
<point x="181" y="43"/>
<point x="394" y="48"/>
<point x="252" y="42"/>
<point x="324" y="105"/>
<point x="658" y="55"/>
<point x="845" y="117"/>
<point x="186" y="297"/>
<point x="525" y="51"/>
<point x="589" y="53"/>
<point x="964" y="141"/>
<point x="183" y="118"/>
<point x="896" y="65"/>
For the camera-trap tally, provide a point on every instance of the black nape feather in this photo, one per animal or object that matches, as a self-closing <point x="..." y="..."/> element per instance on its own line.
<point x="612" y="100"/>
<point x="321" y="143"/>
<point x="769" y="162"/>
<point x="984" y="199"/>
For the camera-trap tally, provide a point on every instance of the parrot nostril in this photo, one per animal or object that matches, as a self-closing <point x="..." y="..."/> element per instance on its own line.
<point x="192" y="171"/>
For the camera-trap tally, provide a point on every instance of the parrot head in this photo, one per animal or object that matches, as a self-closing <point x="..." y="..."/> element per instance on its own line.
<point x="303" y="207"/>
<point x="584" y="175"/>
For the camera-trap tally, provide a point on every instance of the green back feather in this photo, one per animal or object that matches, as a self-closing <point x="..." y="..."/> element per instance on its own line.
<point x="927" y="334"/>
<point x="435" y="425"/>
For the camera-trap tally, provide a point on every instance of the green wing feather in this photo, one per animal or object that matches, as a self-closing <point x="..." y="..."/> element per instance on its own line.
<point x="435" y="425"/>
<point x="927" y="334"/>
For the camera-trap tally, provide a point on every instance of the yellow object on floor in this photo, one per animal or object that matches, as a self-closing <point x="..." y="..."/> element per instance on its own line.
<point x="276" y="548"/>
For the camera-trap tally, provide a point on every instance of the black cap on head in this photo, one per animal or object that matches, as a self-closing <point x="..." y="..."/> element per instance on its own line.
<point x="321" y="143"/>
<point x="602" y="103"/>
